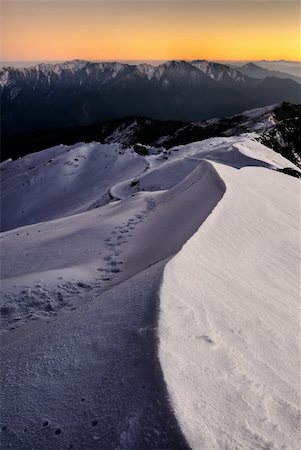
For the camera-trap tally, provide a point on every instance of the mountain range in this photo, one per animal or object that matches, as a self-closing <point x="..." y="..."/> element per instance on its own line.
<point x="256" y="71"/>
<point x="276" y="126"/>
<point x="81" y="93"/>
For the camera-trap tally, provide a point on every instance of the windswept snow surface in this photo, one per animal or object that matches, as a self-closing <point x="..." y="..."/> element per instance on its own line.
<point x="90" y="378"/>
<point x="81" y="275"/>
<point x="229" y="322"/>
<point x="63" y="180"/>
<point x="49" y="263"/>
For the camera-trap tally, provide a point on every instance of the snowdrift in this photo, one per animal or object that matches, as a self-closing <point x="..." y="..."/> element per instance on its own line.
<point x="229" y="323"/>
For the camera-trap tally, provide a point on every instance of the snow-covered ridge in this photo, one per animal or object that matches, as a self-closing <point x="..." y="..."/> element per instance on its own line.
<point x="63" y="180"/>
<point x="115" y="243"/>
<point x="220" y="72"/>
<point x="83" y="184"/>
<point x="71" y="69"/>
<point x="229" y="324"/>
<point x="147" y="70"/>
<point x="80" y="298"/>
<point x="67" y="180"/>
<point x="85" y="68"/>
<point x="215" y="71"/>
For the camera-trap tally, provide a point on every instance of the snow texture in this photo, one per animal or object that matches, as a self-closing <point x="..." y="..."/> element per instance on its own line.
<point x="229" y="321"/>
<point x="153" y="303"/>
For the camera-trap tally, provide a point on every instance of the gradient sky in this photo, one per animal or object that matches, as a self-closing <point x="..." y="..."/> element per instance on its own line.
<point x="154" y="30"/>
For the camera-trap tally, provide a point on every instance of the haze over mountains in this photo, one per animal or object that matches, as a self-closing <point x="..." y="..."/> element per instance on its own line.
<point x="280" y="65"/>
<point x="256" y="71"/>
<point x="81" y="92"/>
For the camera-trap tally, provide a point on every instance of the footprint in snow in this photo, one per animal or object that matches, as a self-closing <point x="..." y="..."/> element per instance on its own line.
<point x="206" y="339"/>
<point x="116" y="270"/>
<point x="236" y="330"/>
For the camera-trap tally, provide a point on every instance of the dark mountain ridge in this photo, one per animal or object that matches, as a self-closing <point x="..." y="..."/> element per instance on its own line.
<point x="276" y="126"/>
<point x="80" y="93"/>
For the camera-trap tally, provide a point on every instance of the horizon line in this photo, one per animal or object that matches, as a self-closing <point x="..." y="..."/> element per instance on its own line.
<point x="145" y="59"/>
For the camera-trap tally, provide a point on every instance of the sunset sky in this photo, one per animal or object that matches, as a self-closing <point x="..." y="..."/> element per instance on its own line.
<point x="154" y="30"/>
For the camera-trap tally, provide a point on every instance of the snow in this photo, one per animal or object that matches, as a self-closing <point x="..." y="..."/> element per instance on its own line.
<point x="115" y="68"/>
<point x="229" y="323"/>
<point x="256" y="120"/>
<point x="110" y="342"/>
<point x="255" y="112"/>
<point x="66" y="203"/>
<point x="152" y="304"/>
<point x="147" y="70"/>
<point x="95" y="246"/>
<point x="263" y="153"/>
<point x="123" y="133"/>
<point x="60" y="70"/>
<point x="219" y="72"/>
<point x="62" y="180"/>
<point x="4" y="79"/>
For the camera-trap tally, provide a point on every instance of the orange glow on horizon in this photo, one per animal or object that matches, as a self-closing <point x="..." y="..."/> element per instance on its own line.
<point x="131" y="30"/>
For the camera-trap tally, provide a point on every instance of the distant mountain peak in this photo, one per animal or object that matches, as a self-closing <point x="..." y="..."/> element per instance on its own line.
<point x="256" y="71"/>
<point x="251" y="65"/>
<point x="176" y="63"/>
<point x="220" y="72"/>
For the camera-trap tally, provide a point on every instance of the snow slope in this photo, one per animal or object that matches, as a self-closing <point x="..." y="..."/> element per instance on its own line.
<point x="92" y="374"/>
<point x="83" y="314"/>
<point x="63" y="180"/>
<point x="91" y="379"/>
<point x="66" y="180"/>
<point x="57" y="264"/>
<point x="229" y="322"/>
